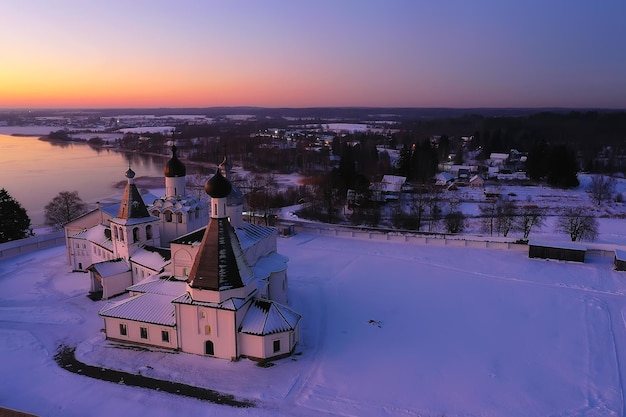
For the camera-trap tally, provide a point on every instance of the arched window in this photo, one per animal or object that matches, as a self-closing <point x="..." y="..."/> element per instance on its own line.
<point x="208" y="348"/>
<point x="168" y="216"/>
<point x="149" y="232"/>
<point x="135" y="235"/>
<point x="197" y="213"/>
<point x="156" y="213"/>
<point x="179" y="217"/>
<point x="117" y="237"/>
<point x="121" y="234"/>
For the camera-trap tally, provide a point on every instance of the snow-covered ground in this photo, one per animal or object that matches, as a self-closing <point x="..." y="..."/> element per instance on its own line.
<point x="389" y="329"/>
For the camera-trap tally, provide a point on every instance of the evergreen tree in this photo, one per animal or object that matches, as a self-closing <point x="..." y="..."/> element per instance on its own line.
<point x="537" y="163"/>
<point x="14" y="222"/>
<point x="563" y="167"/>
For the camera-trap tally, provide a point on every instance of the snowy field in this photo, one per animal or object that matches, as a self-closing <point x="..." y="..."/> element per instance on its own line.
<point x="388" y="329"/>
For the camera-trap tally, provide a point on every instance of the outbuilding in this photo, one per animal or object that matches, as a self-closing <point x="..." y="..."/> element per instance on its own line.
<point x="620" y="260"/>
<point x="564" y="251"/>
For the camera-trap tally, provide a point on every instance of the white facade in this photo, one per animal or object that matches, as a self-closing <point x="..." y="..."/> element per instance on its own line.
<point x="223" y="293"/>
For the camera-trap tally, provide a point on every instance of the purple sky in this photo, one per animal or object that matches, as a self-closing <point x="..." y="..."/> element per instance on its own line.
<point x="484" y="53"/>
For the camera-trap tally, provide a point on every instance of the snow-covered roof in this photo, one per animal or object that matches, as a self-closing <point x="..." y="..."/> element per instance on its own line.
<point x="274" y="262"/>
<point x="558" y="245"/>
<point x="110" y="268"/>
<point x="161" y="286"/>
<point x="151" y="257"/>
<point x="191" y="238"/>
<point x="620" y="255"/>
<point x="145" y="308"/>
<point x="443" y="178"/>
<point x="96" y="234"/>
<point x="134" y="220"/>
<point x="249" y="234"/>
<point x="230" y="304"/>
<point x="393" y="179"/>
<point x="111" y="209"/>
<point x="267" y="317"/>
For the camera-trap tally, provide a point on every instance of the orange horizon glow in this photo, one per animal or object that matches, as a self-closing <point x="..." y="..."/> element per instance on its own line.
<point x="409" y="54"/>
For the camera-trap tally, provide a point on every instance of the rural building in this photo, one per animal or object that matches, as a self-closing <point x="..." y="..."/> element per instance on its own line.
<point x="564" y="251"/>
<point x="620" y="260"/>
<point x="477" y="181"/>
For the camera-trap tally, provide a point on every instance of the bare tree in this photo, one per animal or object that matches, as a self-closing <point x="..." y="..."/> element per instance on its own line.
<point x="455" y="221"/>
<point x="506" y="210"/>
<point x="578" y="223"/>
<point x="63" y="208"/>
<point x="195" y="184"/>
<point x="488" y="214"/>
<point x="260" y="188"/>
<point x="601" y="188"/>
<point x="433" y="202"/>
<point x="530" y="216"/>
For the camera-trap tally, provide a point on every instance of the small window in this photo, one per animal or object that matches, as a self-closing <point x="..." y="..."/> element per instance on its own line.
<point x="179" y="217"/>
<point x="168" y="216"/>
<point x="143" y="332"/>
<point x="165" y="336"/>
<point x="117" y="236"/>
<point x="149" y="232"/>
<point x="276" y="346"/>
<point x="135" y="235"/>
<point x="207" y="329"/>
<point x="123" y="330"/>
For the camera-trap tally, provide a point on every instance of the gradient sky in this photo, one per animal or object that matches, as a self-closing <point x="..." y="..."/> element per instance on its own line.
<point x="288" y="53"/>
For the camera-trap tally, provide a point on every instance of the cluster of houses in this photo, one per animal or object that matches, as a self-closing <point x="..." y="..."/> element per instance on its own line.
<point x="452" y="176"/>
<point x="208" y="284"/>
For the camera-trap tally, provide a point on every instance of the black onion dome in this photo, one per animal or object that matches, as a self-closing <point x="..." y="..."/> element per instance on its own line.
<point x="130" y="173"/>
<point x="218" y="186"/>
<point x="174" y="167"/>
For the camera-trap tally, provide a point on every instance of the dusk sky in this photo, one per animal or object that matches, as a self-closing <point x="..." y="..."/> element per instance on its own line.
<point x="480" y="53"/>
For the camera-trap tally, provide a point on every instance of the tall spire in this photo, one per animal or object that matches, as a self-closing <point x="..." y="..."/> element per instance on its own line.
<point x="132" y="205"/>
<point x="220" y="263"/>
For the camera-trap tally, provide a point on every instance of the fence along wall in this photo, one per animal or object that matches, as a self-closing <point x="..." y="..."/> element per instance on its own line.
<point x="31" y="244"/>
<point x="443" y="240"/>
<point x="468" y="241"/>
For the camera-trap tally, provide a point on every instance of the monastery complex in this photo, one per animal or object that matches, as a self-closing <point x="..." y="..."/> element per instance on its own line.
<point x="207" y="284"/>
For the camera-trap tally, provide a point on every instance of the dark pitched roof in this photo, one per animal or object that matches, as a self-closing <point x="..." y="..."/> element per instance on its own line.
<point x="219" y="264"/>
<point x="132" y="205"/>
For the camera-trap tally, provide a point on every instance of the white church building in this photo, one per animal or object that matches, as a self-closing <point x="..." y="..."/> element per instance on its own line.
<point x="223" y="295"/>
<point x="219" y="290"/>
<point x="121" y="244"/>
